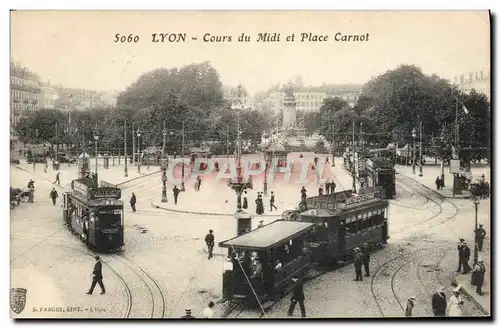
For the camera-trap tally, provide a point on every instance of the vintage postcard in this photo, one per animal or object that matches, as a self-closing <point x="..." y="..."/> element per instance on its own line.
<point x="250" y="164"/>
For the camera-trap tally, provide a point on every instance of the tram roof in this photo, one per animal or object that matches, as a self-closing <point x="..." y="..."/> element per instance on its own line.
<point x="268" y="236"/>
<point x="340" y="212"/>
<point x="97" y="201"/>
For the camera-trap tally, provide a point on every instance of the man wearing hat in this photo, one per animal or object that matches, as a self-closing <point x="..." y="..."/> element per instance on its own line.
<point x="297" y="297"/>
<point x="188" y="315"/>
<point x="478" y="275"/>
<point x="439" y="303"/>
<point x="97" y="277"/>
<point x="480" y="233"/>
<point x="358" y="263"/>
<point x="210" y="241"/>
<point x="463" y="256"/>
<point x="409" y="306"/>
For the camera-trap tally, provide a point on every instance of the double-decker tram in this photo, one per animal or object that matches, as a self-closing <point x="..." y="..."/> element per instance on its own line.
<point x="95" y="214"/>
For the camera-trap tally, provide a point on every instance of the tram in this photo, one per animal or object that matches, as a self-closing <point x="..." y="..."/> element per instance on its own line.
<point x="95" y="214"/>
<point x="321" y="235"/>
<point x="379" y="172"/>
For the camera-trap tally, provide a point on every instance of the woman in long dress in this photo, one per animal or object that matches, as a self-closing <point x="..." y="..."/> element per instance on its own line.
<point x="455" y="304"/>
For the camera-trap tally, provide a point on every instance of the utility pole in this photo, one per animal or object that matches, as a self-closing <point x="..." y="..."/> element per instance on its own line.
<point x="421" y="173"/>
<point x="133" y="144"/>
<point x="353" y="159"/>
<point x="227" y="142"/>
<point x="125" y="152"/>
<point x="164" y="132"/>
<point x="164" y="166"/>
<point x="183" y="188"/>
<point x="333" y="144"/>
<point x="57" y="145"/>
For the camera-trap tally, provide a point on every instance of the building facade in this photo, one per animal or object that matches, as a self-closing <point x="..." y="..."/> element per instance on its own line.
<point x="478" y="81"/>
<point x="80" y="99"/>
<point x="24" y="92"/>
<point x="48" y="96"/>
<point x="232" y="95"/>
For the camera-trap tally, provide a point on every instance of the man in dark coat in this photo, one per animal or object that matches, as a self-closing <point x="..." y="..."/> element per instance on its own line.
<point x="298" y="297"/>
<point x="327" y="186"/>
<point x="332" y="187"/>
<point x="188" y="315"/>
<point x="303" y="194"/>
<point x="366" y="259"/>
<point x="209" y="241"/>
<point x="176" y="192"/>
<point x="358" y="263"/>
<point x="463" y="257"/>
<point x="480" y="233"/>
<point x="478" y="279"/>
<point x="271" y="202"/>
<point x="245" y="200"/>
<point x="57" y="179"/>
<point x="97" y="276"/>
<point x="133" y="200"/>
<point x="53" y="195"/>
<point x="439" y="303"/>
<point x="320" y="191"/>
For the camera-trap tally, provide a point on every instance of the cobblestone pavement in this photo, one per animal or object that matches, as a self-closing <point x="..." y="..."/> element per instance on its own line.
<point x="169" y="247"/>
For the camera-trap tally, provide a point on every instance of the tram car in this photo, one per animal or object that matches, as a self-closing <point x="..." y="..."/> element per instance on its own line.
<point x="95" y="214"/>
<point x="379" y="172"/>
<point x="320" y="236"/>
<point x="261" y="264"/>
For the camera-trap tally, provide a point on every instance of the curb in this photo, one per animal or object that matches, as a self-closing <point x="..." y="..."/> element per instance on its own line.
<point x="471" y="297"/>
<point x="153" y="204"/>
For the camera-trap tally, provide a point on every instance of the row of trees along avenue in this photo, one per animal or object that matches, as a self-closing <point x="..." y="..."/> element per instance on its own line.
<point x="393" y="103"/>
<point x="190" y="96"/>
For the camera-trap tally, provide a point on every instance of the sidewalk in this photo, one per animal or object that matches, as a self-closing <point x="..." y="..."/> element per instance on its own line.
<point x="114" y="174"/>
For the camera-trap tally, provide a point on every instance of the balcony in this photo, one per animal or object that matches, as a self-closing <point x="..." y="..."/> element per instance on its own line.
<point x="25" y="88"/>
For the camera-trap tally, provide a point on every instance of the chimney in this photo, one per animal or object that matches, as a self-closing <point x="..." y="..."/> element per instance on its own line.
<point x="462" y="79"/>
<point x="481" y="75"/>
<point x="471" y="75"/>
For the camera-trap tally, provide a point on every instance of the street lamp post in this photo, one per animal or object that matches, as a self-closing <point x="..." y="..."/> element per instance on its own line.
<point x="96" y="139"/>
<point x="353" y="159"/>
<point x="476" y="204"/>
<point x="138" y="133"/>
<point x="164" y="167"/>
<point x="125" y="152"/>
<point x="265" y="163"/>
<point x="332" y="146"/>
<point x="421" y="173"/>
<point x="414" y="135"/>
<point x="183" y="187"/>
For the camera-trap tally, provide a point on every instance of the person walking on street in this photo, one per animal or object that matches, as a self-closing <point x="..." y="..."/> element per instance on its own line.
<point x="209" y="241"/>
<point x="57" y="179"/>
<point x="245" y="201"/>
<point x="366" y="259"/>
<point x="176" y="192"/>
<point x="303" y="194"/>
<point x="463" y="257"/>
<point x="133" y="201"/>
<point x="297" y="297"/>
<point x="439" y="303"/>
<point x="438" y="183"/>
<point x="480" y="233"/>
<point x="198" y="183"/>
<point x="409" y="306"/>
<point x="271" y="202"/>
<point x="358" y="263"/>
<point x="188" y="315"/>
<point x="332" y="187"/>
<point x="45" y="165"/>
<point x="320" y="191"/>
<point x="97" y="277"/>
<point x="455" y="304"/>
<point x="208" y="312"/>
<point x="53" y="195"/>
<point x="479" y="272"/>
<point x="327" y="186"/>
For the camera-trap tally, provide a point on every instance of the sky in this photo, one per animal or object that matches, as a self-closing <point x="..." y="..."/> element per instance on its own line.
<point x="77" y="48"/>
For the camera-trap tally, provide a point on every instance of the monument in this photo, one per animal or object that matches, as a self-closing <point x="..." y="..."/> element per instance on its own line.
<point x="290" y="111"/>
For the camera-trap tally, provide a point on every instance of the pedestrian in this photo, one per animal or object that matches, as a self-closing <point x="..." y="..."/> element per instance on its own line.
<point x="366" y="259"/>
<point x="176" y="192"/>
<point x="463" y="257"/>
<point x="133" y="201"/>
<point x="216" y="164"/>
<point x="478" y="279"/>
<point x="34" y="165"/>
<point x="438" y="183"/>
<point x="261" y="224"/>
<point x="31" y="184"/>
<point x="327" y="186"/>
<point x="245" y="201"/>
<point x="198" y="183"/>
<point x="297" y="297"/>
<point x="208" y="313"/>
<point x="259" y="205"/>
<point x="271" y="202"/>
<point x="409" y="306"/>
<point x="188" y="315"/>
<point x="480" y="233"/>
<point x="442" y="181"/>
<point x="97" y="277"/>
<point x="327" y="161"/>
<point x="358" y="263"/>
<point x="45" y="165"/>
<point x="303" y="194"/>
<point x="439" y="303"/>
<point x="455" y="304"/>
<point x="320" y="190"/>
<point x="53" y="195"/>
<point x="332" y="187"/>
<point x="209" y="241"/>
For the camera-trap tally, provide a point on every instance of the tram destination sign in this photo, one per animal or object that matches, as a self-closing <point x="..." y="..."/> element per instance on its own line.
<point x="105" y="192"/>
<point x="359" y="199"/>
<point x="328" y="202"/>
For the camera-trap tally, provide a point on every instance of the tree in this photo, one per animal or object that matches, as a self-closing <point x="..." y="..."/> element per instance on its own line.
<point x="312" y="123"/>
<point x="327" y="112"/>
<point x="40" y="126"/>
